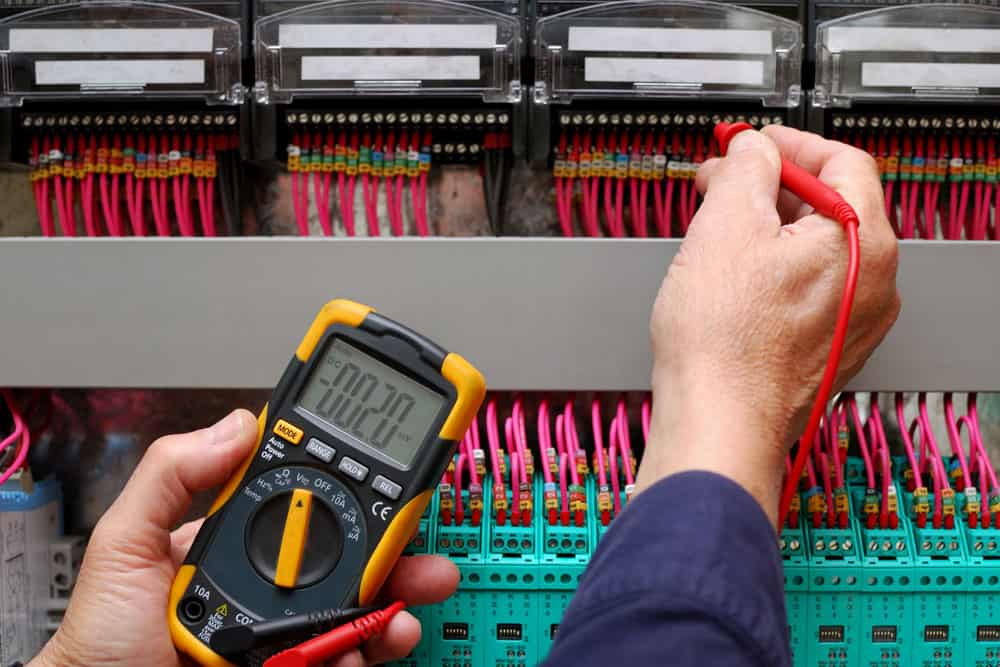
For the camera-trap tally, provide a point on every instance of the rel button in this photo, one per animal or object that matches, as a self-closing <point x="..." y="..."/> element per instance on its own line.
<point x="387" y="487"/>
<point x="353" y="469"/>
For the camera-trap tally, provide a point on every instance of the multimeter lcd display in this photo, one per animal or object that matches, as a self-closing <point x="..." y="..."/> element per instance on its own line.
<point x="366" y="399"/>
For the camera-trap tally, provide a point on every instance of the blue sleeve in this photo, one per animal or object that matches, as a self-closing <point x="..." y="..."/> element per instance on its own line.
<point x="689" y="574"/>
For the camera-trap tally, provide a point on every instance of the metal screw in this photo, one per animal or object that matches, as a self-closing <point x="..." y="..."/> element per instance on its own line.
<point x="820" y="545"/>
<point x="564" y="119"/>
<point x="876" y="121"/>
<point x="627" y="119"/>
<point x="911" y="123"/>
<point x="474" y="149"/>
<point x="441" y="119"/>
<point x="480" y="118"/>
<point x="404" y="118"/>
<point x="589" y="119"/>
<point x="690" y="119"/>
<point x="991" y="546"/>
<point x="925" y="546"/>
<point x="873" y="546"/>
<point x="862" y="122"/>
<point x="26" y="121"/>
<point x="616" y="119"/>
<point x="781" y="544"/>
<point x="453" y="118"/>
<point x="290" y="119"/>
<point x="794" y="545"/>
<point x="640" y="119"/>
<point x="960" y="123"/>
<point x="847" y="545"/>
<point x="449" y="148"/>
<point x="978" y="546"/>
<point x="665" y="119"/>
<point x="849" y="121"/>
<point x="935" y="122"/>
<point x="460" y="149"/>
<point x="834" y="545"/>
<point x="316" y="118"/>
<point x="85" y="121"/>
<point x="577" y="118"/>
<point x="900" y="545"/>
<point x="940" y="546"/>
<point x="466" y="118"/>
<point x="887" y="546"/>
<point x="503" y="118"/>
<point x="328" y="118"/>
<point x="352" y="118"/>
<point x="953" y="546"/>
<point x="755" y="120"/>
<point x="303" y="118"/>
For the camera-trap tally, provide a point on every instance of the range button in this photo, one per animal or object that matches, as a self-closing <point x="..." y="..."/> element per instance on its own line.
<point x="320" y="450"/>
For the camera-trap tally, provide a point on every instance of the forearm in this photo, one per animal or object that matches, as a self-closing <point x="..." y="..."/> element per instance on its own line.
<point x="697" y="426"/>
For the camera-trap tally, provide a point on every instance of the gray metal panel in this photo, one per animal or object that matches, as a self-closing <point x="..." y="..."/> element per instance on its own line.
<point x="531" y="313"/>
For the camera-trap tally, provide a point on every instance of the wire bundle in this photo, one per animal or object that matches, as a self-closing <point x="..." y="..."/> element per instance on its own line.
<point x="116" y="181"/>
<point x="939" y="173"/>
<point x="648" y="161"/>
<point x="14" y="446"/>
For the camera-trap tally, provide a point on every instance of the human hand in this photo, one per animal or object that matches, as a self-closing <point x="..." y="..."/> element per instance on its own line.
<point x="742" y="326"/>
<point x="118" y="613"/>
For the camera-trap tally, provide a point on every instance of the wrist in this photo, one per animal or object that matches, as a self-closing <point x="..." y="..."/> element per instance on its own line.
<point x="702" y="426"/>
<point x="53" y="654"/>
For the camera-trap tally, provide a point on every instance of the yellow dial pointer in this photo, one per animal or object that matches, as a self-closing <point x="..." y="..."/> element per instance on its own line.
<point x="293" y="539"/>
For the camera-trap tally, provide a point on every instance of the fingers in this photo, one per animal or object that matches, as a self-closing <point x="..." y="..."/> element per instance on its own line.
<point x="741" y="191"/>
<point x="418" y="580"/>
<point x="181" y="539"/>
<point x="398" y="640"/>
<point x="174" y="468"/>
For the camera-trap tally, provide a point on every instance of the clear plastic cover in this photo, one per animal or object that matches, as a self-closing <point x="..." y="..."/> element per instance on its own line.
<point x="359" y="47"/>
<point x="932" y="52"/>
<point x="119" y="49"/>
<point x="667" y="48"/>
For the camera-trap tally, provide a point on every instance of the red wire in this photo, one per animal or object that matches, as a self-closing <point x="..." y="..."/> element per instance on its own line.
<point x="827" y="202"/>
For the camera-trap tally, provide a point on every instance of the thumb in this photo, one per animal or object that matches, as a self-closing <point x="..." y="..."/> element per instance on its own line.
<point x="175" y="468"/>
<point x="741" y="190"/>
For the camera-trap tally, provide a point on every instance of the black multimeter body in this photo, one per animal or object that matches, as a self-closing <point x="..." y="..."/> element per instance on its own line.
<point x="318" y="515"/>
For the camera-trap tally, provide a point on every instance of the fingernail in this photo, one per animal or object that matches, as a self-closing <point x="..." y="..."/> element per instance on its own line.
<point x="228" y="429"/>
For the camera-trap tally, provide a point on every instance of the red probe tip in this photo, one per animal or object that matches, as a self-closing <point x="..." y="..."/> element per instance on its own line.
<point x="724" y="133"/>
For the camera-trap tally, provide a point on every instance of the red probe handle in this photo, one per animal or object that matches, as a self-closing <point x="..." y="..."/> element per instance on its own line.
<point x="797" y="180"/>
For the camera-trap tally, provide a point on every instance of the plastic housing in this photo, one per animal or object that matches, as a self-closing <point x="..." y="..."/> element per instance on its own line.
<point x="909" y="53"/>
<point x="97" y="50"/>
<point x="667" y="49"/>
<point x="417" y="47"/>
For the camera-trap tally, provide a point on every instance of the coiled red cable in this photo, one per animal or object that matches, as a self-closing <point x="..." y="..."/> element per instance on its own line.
<point x="826" y="201"/>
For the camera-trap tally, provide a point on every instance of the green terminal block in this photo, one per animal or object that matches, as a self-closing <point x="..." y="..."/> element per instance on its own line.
<point x="834" y="586"/>
<point x="982" y="602"/>
<point x="795" y="560"/>
<point x="903" y="596"/>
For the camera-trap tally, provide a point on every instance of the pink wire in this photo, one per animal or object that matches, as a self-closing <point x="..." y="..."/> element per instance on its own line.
<point x="598" y="428"/>
<point x="879" y="435"/>
<point x="646" y="415"/>
<point x="473" y="473"/>
<point x="418" y="219"/>
<point x="106" y="206"/>
<point x="116" y="211"/>
<point x="210" y="207"/>
<point x="935" y="472"/>
<point x="609" y="206"/>
<point x="424" y="203"/>
<point x="569" y="422"/>
<point x="544" y="439"/>
<point x="862" y="443"/>
<point x="594" y="219"/>
<point x="907" y="442"/>
<point x="931" y="440"/>
<point x="613" y="460"/>
<point x="515" y="488"/>
<point x="974" y="416"/>
<point x="563" y="467"/>
<point x="322" y="203"/>
<point x="954" y="439"/>
<point x="619" y="209"/>
<point x="827" y="486"/>
<point x="162" y="228"/>
<point x="493" y="439"/>
<point x="371" y="203"/>
<point x="564" y="222"/>
<point x="348" y="206"/>
<point x="625" y="442"/>
<point x="521" y="435"/>
<point x="838" y="467"/>
<point x="22" y="452"/>
<point x="560" y="435"/>
<point x="459" y="507"/>
<point x="301" y="217"/>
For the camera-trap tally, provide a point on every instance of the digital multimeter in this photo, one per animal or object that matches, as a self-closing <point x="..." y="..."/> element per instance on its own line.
<point x="355" y="438"/>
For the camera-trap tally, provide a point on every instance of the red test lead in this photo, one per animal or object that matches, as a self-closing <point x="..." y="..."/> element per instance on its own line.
<point x="826" y="201"/>
<point x="326" y="647"/>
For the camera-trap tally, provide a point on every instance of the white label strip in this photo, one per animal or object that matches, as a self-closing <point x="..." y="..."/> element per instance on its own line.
<point x="919" y="40"/>
<point x="931" y="75"/>
<point x="669" y="40"/>
<point x="674" y="70"/>
<point x="118" y="72"/>
<point x="111" y="40"/>
<point x="389" y="68"/>
<point x="387" y="36"/>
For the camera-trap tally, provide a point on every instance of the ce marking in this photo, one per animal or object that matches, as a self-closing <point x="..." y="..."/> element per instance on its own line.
<point x="381" y="510"/>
